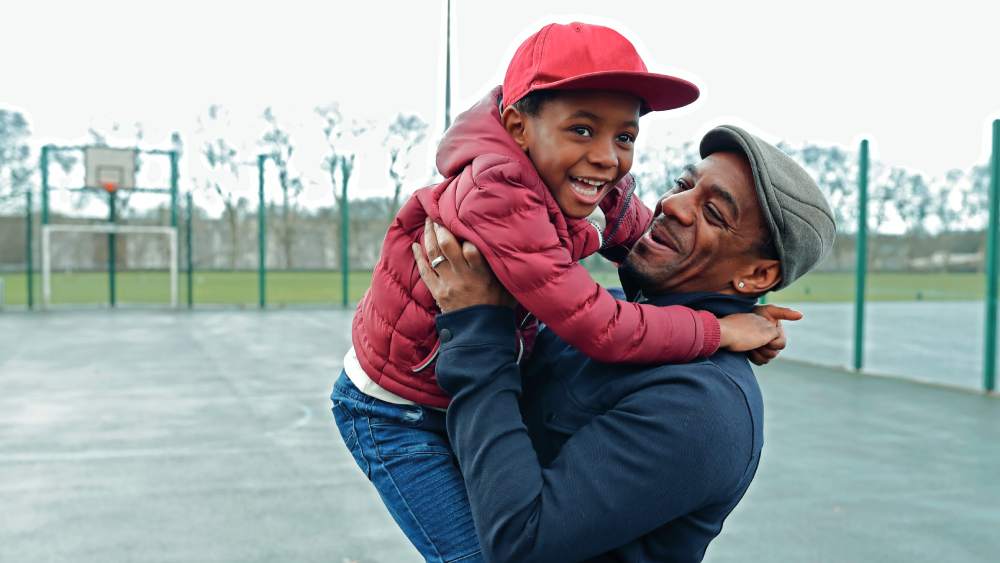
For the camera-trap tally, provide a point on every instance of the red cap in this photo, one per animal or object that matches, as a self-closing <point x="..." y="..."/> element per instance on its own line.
<point x="580" y="56"/>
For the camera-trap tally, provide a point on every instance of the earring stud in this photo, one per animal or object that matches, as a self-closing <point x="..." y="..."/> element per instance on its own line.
<point x="741" y="285"/>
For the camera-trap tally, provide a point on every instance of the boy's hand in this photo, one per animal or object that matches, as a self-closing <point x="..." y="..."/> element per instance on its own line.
<point x="770" y="351"/>
<point x="758" y="333"/>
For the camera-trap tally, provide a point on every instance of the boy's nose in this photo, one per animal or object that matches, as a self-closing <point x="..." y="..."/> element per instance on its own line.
<point x="603" y="155"/>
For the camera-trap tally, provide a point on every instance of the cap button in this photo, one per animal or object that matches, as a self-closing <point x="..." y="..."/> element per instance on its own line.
<point x="444" y="335"/>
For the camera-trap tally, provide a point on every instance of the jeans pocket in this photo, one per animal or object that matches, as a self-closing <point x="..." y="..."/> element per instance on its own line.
<point x="399" y="439"/>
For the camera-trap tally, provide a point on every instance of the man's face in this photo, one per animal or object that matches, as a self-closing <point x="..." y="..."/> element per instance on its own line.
<point x="705" y="232"/>
<point x="582" y="144"/>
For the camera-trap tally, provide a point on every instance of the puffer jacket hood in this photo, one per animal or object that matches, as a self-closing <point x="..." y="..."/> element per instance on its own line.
<point x="475" y="132"/>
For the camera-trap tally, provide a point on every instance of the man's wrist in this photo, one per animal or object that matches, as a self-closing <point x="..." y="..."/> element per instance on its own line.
<point x="478" y="325"/>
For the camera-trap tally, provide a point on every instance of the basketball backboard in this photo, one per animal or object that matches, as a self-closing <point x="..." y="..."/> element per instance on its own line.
<point x="110" y="167"/>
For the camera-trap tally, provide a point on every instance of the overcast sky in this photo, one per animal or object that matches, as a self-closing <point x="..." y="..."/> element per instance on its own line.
<point x="919" y="79"/>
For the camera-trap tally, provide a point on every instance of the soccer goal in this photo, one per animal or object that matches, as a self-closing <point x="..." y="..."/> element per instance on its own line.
<point x="68" y="231"/>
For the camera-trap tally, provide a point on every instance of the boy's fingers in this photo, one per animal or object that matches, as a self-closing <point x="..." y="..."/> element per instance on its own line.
<point x="775" y="312"/>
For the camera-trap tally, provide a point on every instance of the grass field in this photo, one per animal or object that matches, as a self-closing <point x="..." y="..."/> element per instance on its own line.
<point x="217" y="288"/>
<point x="297" y="287"/>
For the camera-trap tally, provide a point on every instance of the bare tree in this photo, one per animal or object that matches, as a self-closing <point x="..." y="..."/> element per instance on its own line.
<point x="657" y="170"/>
<point x="341" y="153"/>
<point x="405" y="133"/>
<point x="15" y="167"/>
<point x="278" y="145"/>
<point x="223" y="172"/>
<point x="333" y="132"/>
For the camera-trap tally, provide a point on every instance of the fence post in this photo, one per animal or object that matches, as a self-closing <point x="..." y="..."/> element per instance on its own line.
<point x="261" y="234"/>
<point x="345" y="263"/>
<point x="861" y="270"/>
<point x="111" y="247"/>
<point x="27" y="252"/>
<point x="190" y="247"/>
<point x="990" y="358"/>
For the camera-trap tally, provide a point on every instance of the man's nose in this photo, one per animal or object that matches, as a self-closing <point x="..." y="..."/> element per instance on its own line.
<point x="679" y="207"/>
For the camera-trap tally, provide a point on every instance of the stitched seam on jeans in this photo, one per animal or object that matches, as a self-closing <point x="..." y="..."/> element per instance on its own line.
<point x="399" y="493"/>
<point x="404" y="451"/>
<point x="361" y="451"/>
<point x="466" y="557"/>
<point x="354" y="430"/>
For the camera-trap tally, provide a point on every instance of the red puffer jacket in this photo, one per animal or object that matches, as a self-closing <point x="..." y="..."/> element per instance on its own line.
<point x="494" y="198"/>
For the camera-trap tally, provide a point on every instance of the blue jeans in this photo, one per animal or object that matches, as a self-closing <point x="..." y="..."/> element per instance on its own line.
<point x="404" y="451"/>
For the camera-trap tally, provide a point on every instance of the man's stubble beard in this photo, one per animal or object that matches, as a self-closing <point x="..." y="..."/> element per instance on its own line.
<point x="641" y="278"/>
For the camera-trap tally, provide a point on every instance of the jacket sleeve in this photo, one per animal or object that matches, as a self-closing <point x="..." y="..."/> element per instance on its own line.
<point x="511" y="226"/>
<point x="606" y="486"/>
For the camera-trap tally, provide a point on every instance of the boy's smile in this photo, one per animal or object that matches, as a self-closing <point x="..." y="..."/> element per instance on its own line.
<point x="581" y="142"/>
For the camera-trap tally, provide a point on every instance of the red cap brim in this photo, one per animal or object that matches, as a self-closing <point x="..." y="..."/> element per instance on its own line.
<point x="658" y="92"/>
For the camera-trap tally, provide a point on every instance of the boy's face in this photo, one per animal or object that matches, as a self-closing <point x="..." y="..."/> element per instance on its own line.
<point x="581" y="143"/>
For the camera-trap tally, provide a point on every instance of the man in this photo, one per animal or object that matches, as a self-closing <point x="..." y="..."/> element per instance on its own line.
<point x="579" y="460"/>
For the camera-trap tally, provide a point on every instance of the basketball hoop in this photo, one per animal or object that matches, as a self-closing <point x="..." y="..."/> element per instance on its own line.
<point x="110" y="169"/>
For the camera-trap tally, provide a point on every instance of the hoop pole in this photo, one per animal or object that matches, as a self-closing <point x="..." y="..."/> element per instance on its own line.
<point x="861" y="269"/>
<point x="111" y="249"/>
<point x="173" y="188"/>
<point x="44" y="165"/>
<point x="27" y="252"/>
<point x="990" y="346"/>
<point x="190" y="246"/>
<point x="261" y="235"/>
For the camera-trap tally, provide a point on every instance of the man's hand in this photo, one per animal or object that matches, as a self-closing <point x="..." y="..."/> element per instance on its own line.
<point x="758" y="333"/>
<point x="463" y="278"/>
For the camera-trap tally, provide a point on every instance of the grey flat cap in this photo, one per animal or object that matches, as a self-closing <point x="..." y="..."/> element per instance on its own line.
<point x="795" y="210"/>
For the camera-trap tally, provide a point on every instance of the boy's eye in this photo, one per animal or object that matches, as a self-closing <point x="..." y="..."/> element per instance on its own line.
<point x="582" y="131"/>
<point x="626" y="138"/>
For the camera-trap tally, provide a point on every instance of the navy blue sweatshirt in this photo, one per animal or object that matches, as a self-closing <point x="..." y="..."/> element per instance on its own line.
<point x="579" y="460"/>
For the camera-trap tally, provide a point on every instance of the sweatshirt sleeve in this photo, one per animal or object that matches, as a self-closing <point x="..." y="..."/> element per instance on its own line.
<point x="510" y="225"/>
<point x="566" y="511"/>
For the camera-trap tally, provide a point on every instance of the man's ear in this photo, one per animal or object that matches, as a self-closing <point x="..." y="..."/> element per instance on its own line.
<point x="758" y="277"/>
<point x="516" y="124"/>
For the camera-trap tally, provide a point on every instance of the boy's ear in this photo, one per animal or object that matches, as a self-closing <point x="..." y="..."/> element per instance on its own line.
<point x="516" y="124"/>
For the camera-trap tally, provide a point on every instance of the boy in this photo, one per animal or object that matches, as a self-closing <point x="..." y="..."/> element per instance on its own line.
<point x="524" y="168"/>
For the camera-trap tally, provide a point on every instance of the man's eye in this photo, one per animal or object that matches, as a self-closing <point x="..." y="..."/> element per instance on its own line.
<point x="680" y="185"/>
<point x="582" y="131"/>
<point x="715" y="215"/>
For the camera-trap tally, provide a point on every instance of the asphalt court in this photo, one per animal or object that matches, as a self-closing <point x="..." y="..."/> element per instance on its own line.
<point x="207" y="436"/>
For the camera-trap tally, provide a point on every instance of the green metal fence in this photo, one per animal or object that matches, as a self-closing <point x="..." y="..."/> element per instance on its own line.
<point x="261" y="282"/>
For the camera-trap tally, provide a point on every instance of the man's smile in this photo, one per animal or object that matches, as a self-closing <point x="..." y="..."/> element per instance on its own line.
<point x="659" y="234"/>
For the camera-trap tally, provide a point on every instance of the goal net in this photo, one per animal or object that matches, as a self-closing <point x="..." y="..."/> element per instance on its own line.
<point x="75" y="264"/>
